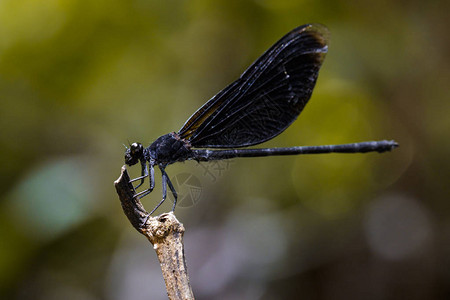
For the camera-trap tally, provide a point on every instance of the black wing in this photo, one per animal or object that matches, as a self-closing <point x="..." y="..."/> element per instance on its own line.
<point x="267" y="97"/>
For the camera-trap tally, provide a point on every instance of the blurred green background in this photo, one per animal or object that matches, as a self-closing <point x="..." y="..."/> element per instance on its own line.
<point x="80" y="78"/>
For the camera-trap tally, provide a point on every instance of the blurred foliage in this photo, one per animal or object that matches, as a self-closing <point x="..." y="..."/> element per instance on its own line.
<point x="80" y="78"/>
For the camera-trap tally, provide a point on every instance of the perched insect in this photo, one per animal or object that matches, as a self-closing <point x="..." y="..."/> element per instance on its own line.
<point x="258" y="106"/>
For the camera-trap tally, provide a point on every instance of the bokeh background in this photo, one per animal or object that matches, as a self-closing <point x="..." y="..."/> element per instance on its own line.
<point x="80" y="78"/>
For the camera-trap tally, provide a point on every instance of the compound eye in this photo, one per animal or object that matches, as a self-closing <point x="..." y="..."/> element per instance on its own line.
<point x="136" y="147"/>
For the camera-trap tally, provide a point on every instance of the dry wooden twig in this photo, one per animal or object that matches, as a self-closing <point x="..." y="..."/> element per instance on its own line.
<point x="165" y="233"/>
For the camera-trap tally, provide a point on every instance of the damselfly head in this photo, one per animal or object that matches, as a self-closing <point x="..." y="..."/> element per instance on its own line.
<point x="134" y="154"/>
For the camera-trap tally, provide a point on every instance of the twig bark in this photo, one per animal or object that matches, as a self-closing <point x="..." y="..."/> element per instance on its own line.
<point x="165" y="233"/>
